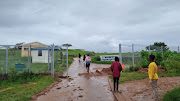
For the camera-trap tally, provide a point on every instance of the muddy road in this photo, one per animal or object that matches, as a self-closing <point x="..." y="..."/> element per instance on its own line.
<point x="140" y="90"/>
<point x="94" y="86"/>
<point x="81" y="88"/>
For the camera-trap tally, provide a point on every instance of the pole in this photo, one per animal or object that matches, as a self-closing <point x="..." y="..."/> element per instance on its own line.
<point x="120" y="53"/>
<point x="133" y="54"/>
<point x="53" y="59"/>
<point x="7" y="60"/>
<point x="48" y="60"/>
<point x="149" y="48"/>
<point x="67" y="60"/>
<point x="178" y="49"/>
<point x="30" y="59"/>
<point x="162" y="50"/>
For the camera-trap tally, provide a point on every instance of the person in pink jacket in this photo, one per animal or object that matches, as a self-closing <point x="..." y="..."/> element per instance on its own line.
<point x="87" y="61"/>
<point x="116" y="68"/>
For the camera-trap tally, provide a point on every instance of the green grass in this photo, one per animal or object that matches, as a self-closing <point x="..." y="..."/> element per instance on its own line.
<point x="130" y="76"/>
<point x="20" y="93"/>
<point x="173" y="95"/>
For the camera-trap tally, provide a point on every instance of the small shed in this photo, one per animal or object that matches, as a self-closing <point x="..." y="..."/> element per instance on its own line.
<point x="24" y="49"/>
<point x="40" y="55"/>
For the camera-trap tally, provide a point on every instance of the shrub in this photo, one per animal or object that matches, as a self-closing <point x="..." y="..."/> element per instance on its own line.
<point x="167" y="54"/>
<point x="159" y="57"/>
<point x="144" y="54"/>
<point x="97" y="58"/>
<point x="137" y="67"/>
<point x="172" y="64"/>
<point x="144" y="63"/>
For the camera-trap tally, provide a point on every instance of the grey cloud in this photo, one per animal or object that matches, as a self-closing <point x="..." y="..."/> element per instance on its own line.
<point x="97" y="25"/>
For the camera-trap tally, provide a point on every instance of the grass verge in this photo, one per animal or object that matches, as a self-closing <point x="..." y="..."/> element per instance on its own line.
<point x="173" y="95"/>
<point x="24" y="92"/>
<point x="130" y="76"/>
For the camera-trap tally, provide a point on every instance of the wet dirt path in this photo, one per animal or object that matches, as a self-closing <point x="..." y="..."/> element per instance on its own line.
<point x="80" y="88"/>
<point x="140" y="90"/>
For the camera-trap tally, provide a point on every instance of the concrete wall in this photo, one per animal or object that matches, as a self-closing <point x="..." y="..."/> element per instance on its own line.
<point x="40" y="59"/>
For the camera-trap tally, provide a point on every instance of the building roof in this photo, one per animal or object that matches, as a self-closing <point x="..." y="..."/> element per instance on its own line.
<point x="34" y="42"/>
<point x="45" y="48"/>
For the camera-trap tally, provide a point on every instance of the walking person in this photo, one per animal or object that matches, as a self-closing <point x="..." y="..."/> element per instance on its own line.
<point x="116" y="68"/>
<point x="87" y="60"/>
<point x="79" y="57"/>
<point x="152" y="71"/>
<point x="84" y="57"/>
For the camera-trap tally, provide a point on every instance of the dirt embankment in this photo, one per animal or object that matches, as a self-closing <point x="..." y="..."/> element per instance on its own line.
<point x="103" y="72"/>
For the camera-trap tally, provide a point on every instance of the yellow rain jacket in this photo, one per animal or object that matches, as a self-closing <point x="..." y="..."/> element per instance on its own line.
<point x="152" y="71"/>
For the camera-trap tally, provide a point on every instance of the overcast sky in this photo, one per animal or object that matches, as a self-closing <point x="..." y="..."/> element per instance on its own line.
<point x="96" y="25"/>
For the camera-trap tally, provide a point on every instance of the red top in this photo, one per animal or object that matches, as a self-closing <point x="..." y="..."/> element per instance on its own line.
<point x="116" y="69"/>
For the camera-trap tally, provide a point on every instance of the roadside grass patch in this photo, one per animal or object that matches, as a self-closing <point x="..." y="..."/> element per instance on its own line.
<point x="173" y="95"/>
<point x="24" y="93"/>
<point x="130" y="76"/>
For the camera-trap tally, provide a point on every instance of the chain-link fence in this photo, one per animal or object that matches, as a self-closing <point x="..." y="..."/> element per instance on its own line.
<point x="130" y="55"/>
<point x="32" y="58"/>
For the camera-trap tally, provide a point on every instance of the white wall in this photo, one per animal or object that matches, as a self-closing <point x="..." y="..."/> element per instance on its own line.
<point x="40" y="59"/>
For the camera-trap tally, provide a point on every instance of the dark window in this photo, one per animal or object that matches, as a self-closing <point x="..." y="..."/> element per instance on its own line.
<point x="25" y="48"/>
<point x="39" y="52"/>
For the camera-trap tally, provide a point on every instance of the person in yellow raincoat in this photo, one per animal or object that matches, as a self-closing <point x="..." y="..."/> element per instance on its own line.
<point x="152" y="71"/>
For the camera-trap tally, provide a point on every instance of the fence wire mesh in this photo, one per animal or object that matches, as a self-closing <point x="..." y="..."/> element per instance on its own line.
<point x="31" y="58"/>
<point x="131" y="54"/>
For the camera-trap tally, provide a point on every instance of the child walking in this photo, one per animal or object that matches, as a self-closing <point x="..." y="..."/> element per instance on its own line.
<point x="87" y="60"/>
<point x="152" y="71"/>
<point x="116" y="68"/>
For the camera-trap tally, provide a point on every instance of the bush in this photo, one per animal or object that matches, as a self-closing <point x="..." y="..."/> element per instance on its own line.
<point x="97" y="58"/>
<point x="135" y="68"/>
<point x="159" y="57"/>
<point x="172" y="64"/>
<point x="167" y="54"/>
<point x="145" y="63"/>
<point x="144" y="54"/>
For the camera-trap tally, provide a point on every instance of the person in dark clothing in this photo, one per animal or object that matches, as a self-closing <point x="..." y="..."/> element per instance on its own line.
<point x="116" y="68"/>
<point x="79" y="57"/>
<point x="84" y="57"/>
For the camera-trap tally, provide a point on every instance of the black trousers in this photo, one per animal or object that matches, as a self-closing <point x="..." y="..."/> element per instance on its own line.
<point x="116" y="82"/>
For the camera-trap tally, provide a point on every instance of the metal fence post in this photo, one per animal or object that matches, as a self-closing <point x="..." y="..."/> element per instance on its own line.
<point x="7" y="60"/>
<point x="53" y="59"/>
<point x="149" y="48"/>
<point x="48" y="60"/>
<point x="133" y="54"/>
<point x="162" y="50"/>
<point x="30" y="59"/>
<point x="67" y="61"/>
<point x="120" y="53"/>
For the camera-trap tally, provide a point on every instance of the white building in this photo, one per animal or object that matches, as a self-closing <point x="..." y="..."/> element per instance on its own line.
<point x="40" y="55"/>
